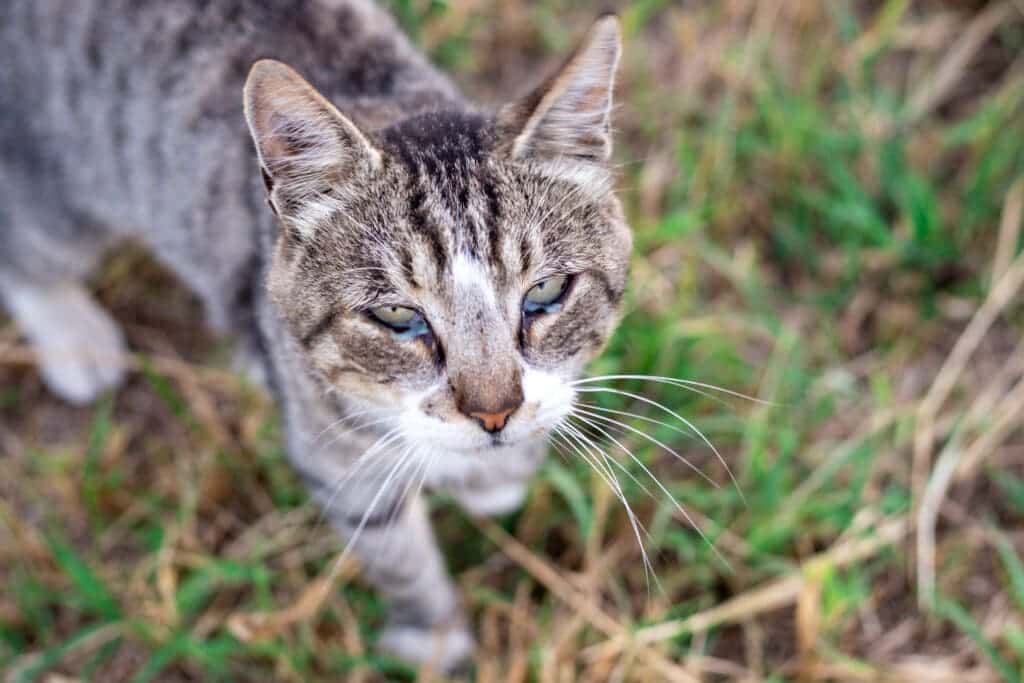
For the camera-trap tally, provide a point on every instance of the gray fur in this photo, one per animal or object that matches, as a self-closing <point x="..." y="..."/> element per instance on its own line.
<point x="124" y="120"/>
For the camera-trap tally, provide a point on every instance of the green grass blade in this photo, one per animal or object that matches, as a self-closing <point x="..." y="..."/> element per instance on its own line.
<point x="962" y="620"/>
<point x="96" y="597"/>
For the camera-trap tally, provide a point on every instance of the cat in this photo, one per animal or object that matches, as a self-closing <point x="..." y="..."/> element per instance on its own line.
<point x="417" y="280"/>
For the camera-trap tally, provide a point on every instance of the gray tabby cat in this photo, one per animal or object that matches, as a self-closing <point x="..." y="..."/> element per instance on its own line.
<point x="425" y="284"/>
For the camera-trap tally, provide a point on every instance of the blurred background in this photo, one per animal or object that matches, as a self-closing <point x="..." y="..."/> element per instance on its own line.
<point x="827" y="199"/>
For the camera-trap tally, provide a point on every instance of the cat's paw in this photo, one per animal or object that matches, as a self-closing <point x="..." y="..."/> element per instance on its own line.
<point x="444" y="649"/>
<point x="79" y="346"/>
<point x="493" y="501"/>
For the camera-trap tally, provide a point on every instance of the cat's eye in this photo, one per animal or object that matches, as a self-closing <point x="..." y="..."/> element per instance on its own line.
<point x="404" y="322"/>
<point x="545" y="296"/>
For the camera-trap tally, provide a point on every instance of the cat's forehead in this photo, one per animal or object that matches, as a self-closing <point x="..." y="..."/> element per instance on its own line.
<point x="450" y="195"/>
<point x="442" y="144"/>
<point x="448" y="198"/>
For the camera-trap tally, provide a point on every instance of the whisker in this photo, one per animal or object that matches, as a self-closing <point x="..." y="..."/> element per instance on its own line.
<point x="428" y="462"/>
<point x="347" y="476"/>
<point x="635" y="416"/>
<point x="663" y="488"/>
<point x="706" y="394"/>
<point x="399" y="464"/>
<point x="578" y="411"/>
<point x="409" y="471"/>
<point x="340" y="435"/>
<point x="608" y="477"/>
<point x="612" y="482"/>
<point x="342" y="420"/>
<point x="419" y="473"/>
<point x="675" y="381"/>
<point x="679" y="417"/>
<point x="624" y="470"/>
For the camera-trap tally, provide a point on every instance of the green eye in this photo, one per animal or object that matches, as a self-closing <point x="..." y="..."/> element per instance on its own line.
<point x="396" y="316"/>
<point x="406" y="323"/>
<point x="544" y="295"/>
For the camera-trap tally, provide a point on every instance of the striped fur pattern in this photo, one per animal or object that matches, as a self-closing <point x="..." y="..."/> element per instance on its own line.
<point x="378" y="187"/>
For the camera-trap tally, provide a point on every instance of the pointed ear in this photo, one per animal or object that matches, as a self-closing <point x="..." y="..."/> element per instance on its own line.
<point x="303" y="142"/>
<point x="570" y="114"/>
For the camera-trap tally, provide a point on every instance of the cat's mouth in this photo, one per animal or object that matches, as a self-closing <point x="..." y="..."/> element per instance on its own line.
<point x="487" y="445"/>
<point x="498" y="442"/>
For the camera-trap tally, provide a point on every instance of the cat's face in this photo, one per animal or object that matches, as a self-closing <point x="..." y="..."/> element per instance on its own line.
<point x="453" y="272"/>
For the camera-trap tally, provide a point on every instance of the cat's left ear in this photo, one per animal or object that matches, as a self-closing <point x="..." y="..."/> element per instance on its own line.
<point x="569" y="115"/>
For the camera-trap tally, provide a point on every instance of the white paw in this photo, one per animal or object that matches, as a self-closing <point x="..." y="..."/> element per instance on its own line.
<point x="497" y="500"/>
<point x="443" y="649"/>
<point x="80" y="348"/>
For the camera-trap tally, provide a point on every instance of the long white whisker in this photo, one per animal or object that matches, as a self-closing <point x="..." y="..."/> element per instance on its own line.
<point x="644" y="418"/>
<point x="337" y="437"/>
<point x="428" y="461"/>
<point x="579" y="411"/>
<point x="369" y="511"/>
<point x="625" y="471"/>
<point x="566" y="430"/>
<point x="419" y="473"/>
<point x="637" y="526"/>
<point x="408" y="471"/>
<point x="664" y="490"/>
<point x="679" y="417"/>
<point x="343" y="419"/>
<point x="675" y="381"/>
<point x="366" y="457"/>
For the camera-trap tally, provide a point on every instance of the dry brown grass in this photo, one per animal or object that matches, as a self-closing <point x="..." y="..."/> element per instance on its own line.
<point x="880" y="479"/>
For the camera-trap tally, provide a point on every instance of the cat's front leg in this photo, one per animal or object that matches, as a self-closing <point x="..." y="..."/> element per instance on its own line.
<point x="399" y="556"/>
<point x="80" y="347"/>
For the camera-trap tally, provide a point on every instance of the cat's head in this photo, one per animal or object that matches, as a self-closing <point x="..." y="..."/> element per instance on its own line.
<point x="454" y="270"/>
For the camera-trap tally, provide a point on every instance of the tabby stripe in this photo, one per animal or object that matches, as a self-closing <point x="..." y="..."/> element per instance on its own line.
<point x="423" y="225"/>
<point x="613" y="295"/>
<point x="525" y="252"/>
<point x="494" y="224"/>
<point x="320" y="328"/>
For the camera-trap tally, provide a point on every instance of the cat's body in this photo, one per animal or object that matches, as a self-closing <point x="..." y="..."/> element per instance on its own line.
<point x="124" y="120"/>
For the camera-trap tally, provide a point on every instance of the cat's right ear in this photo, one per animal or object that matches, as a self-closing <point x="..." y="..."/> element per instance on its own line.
<point x="304" y="143"/>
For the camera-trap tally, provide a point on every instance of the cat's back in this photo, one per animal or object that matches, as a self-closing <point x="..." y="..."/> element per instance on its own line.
<point x="120" y="98"/>
<point x="124" y="118"/>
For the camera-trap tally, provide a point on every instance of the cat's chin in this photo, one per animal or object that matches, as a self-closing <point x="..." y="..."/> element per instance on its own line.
<point x="478" y="449"/>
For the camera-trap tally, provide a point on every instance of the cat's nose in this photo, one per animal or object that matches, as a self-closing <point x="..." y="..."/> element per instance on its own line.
<point x="488" y="396"/>
<point x="493" y="422"/>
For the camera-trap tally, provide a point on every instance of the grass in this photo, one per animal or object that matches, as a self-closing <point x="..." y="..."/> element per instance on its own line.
<point x="824" y="197"/>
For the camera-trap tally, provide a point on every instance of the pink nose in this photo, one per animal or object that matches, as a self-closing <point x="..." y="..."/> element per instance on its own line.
<point x="493" y="422"/>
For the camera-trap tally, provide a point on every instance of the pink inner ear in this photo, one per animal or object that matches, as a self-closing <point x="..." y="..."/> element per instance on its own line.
<point x="275" y="141"/>
<point x="594" y="98"/>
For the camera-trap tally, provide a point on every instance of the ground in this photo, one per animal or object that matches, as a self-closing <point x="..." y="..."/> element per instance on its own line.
<point x="827" y="199"/>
